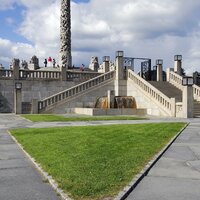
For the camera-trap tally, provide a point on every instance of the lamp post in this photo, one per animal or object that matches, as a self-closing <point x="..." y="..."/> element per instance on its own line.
<point x="18" y="98"/>
<point x="119" y="54"/>
<point x="187" y="81"/>
<point x="119" y="77"/>
<point x="178" y="64"/>
<point x="106" y="64"/>
<point x="106" y="58"/>
<point x="188" y="100"/>
<point x="159" y="64"/>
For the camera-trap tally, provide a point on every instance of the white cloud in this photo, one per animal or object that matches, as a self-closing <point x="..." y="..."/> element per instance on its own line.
<point x="11" y="50"/>
<point x="142" y="28"/>
<point x="6" y="4"/>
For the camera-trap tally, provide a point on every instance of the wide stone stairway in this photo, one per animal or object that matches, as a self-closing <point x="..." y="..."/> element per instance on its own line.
<point x="196" y="109"/>
<point x="168" y="89"/>
<point x="173" y="92"/>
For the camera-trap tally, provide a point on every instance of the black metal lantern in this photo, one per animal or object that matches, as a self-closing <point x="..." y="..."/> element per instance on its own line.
<point x="159" y="62"/>
<point x="106" y="58"/>
<point x="119" y="53"/>
<point x="177" y="57"/>
<point x="187" y="81"/>
<point x="18" y="86"/>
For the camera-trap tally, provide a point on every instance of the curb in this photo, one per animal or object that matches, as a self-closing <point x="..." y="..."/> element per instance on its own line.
<point x="136" y="180"/>
<point x="125" y="192"/>
<point x="49" y="179"/>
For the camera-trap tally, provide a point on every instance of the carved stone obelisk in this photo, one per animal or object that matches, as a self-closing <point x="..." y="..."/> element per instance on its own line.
<point x="65" y="34"/>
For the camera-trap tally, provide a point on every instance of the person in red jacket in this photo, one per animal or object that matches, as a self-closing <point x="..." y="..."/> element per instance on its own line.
<point x="50" y="61"/>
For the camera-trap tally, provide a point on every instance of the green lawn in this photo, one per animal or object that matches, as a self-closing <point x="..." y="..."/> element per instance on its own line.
<point x="51" y="118"/>
<point x="95" y="162"/>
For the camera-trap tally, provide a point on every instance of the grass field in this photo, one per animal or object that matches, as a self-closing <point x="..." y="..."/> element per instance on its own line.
<point x="53" y="118"/>
<point x="95" y="162"/>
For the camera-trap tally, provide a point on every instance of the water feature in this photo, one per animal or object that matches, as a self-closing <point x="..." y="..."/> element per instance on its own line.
<point x="124" y="102"/>
<point x="119" y="102"/>
<point x="102" y="102"/>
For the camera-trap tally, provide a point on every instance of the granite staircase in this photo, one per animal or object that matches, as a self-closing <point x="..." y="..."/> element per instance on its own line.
<point x="196" y="109"/>
<point x="168" y="89"/>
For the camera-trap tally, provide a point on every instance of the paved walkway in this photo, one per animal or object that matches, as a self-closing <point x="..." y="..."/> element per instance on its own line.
<point x="175" y="176"/>
<point x="19" y="180"/>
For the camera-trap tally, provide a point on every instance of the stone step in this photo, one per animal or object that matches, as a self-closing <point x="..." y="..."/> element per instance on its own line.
<point x="168" y="89"/>
<point x="196" y="109"/>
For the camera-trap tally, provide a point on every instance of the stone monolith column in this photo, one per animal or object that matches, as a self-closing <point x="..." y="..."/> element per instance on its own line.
<point x="65" y="34"/>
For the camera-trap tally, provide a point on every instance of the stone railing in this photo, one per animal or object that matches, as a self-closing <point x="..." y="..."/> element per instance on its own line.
<point x="38" y="74"/>
<point x="47" y="75"/>
<point x="176" y="80"/>
<point x="164" y="102"/>
<point x="6" y="74"/>
<point x="49" y="102"/>
<point x="196" y="92"/>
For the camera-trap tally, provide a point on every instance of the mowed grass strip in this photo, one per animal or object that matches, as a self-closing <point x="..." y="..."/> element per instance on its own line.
<point x="95" y="162"/>
<point x="54" y="118"/>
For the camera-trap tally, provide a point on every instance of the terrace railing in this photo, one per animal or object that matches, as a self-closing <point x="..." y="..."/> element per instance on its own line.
<point x="38" y="74"/>
<point x="47" y="75"/>
<point x="6" y="74"/>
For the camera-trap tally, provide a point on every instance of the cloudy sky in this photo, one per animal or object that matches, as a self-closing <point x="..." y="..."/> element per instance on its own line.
<point x="141" y="28"/>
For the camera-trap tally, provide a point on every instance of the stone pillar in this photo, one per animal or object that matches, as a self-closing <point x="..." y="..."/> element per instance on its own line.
<point x="16" y="67"/>
<point x="168" y="74"/>
<point x="173" y="107"/>
<point x="159" y="65"/>
<point x="119" y="65"/>
<point x="188" y="101"/>
<point x="34" y="108"/>
<point x="65" y="34"/>
<point x="106" y="65"/>
<point x="178" y="64"/>
<point x="111" y="98"/>
<point x="18" y="98"/>
<point x="120" y="78"/>
<point x="63" y="73"/>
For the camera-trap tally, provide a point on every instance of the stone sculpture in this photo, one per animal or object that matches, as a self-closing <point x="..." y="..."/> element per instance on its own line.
<point x="34" y="63"/>
<point x="15" y="63"/>
<point x="65" y="34"/>
<point x="94" y="65"/>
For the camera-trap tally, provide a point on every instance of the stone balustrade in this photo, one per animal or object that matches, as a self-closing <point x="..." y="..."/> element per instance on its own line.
<point x="6" y="74"/>
<point x="38" y="74"/>
<point x="47" y="75"/>
<point x="196" y="92"/>
<point x="176" y="80"/>
<point x="166" y="103"/>
<point x="47" y="103"/>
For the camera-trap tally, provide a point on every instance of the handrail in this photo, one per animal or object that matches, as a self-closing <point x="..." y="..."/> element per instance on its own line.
<point x="196" y="92"/>
<point x="176" y="80"/>
<point x="75" y="90"/>
<point x="167" y="104"/>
